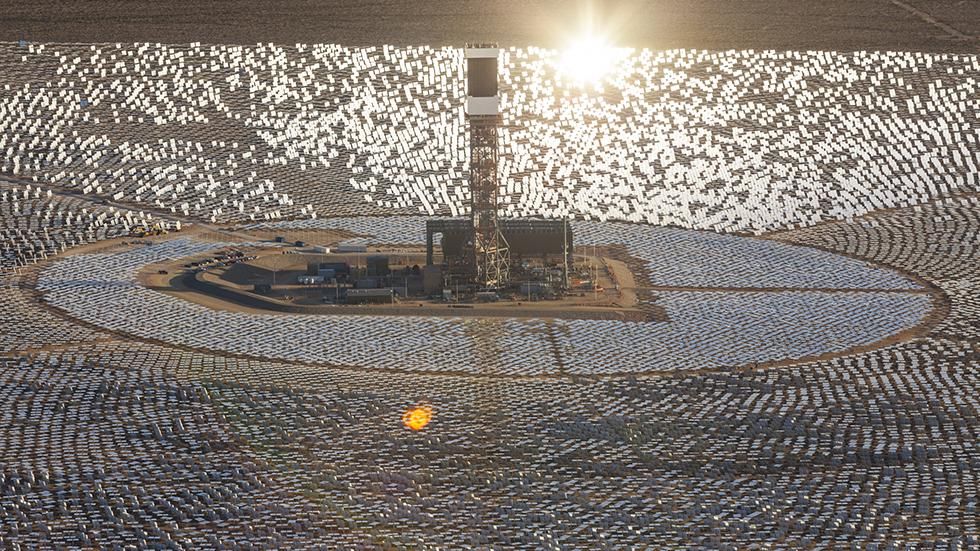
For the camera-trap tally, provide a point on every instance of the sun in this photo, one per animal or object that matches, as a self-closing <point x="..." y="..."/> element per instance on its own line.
<point x="589" y="59"/>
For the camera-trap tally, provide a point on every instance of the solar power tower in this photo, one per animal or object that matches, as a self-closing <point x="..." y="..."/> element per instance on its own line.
<point x="490" y="255"/>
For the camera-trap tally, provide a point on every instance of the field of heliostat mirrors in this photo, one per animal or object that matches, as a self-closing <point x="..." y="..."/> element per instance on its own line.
<point x="809" y="219"/>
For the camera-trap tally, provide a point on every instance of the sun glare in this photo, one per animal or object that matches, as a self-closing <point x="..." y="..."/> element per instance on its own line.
<point x="588" y="60"/>
<point x="416" y="418"/>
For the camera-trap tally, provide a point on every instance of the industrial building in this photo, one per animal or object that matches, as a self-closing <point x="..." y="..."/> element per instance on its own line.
<point x="528" y="239"/>
<point x="370" y="296"/>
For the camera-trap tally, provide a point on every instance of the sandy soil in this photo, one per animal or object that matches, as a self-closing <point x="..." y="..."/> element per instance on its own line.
<point x="920" y="25"/>
<point x="620" y="274"/>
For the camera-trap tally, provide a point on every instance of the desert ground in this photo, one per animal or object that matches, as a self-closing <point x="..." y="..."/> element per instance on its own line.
<point x="917" y="25"/>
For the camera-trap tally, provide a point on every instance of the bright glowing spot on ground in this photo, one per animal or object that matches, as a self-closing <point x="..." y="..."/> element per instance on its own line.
<point x="417" y="418"/>
<point x="588" y="60"/>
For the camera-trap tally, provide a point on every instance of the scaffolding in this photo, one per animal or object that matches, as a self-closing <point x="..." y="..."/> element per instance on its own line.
<point x="490" y="251"/>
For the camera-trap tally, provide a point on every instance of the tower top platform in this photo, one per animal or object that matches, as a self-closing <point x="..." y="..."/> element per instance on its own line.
<point x="481" y="51"/>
